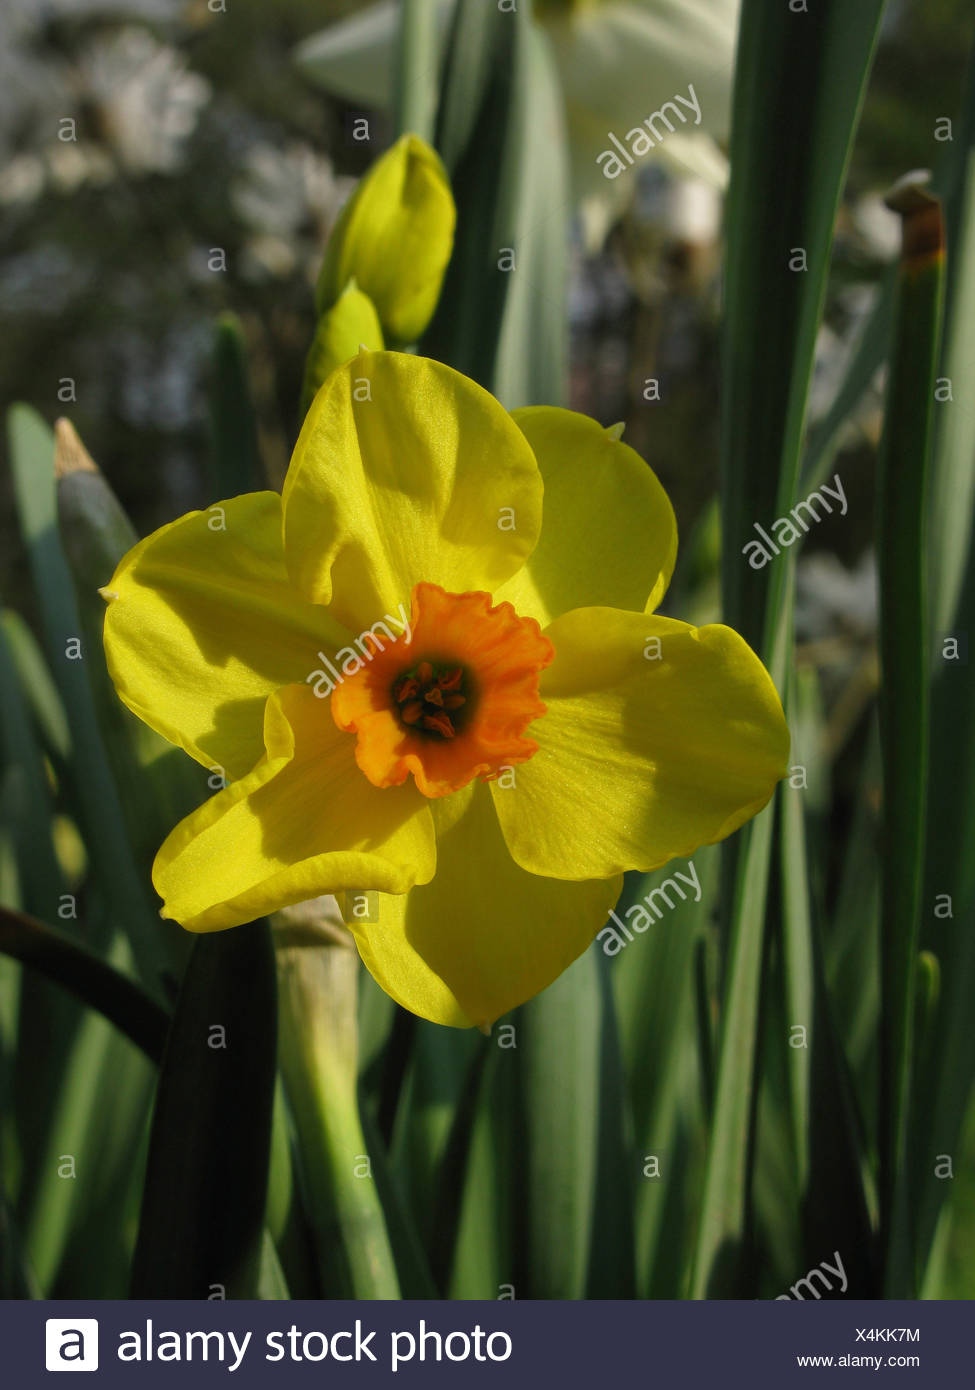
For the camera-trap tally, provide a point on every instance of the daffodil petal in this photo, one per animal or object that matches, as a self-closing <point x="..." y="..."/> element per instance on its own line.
<point x="303" y="823"/>
<point x="398" y="968"/>
<point x="609" y="535"/>
<point x="658" y="738"/>
<point x="203" y="624"/>
<point x="406" y="471"/>
<point x="492" y="933"/>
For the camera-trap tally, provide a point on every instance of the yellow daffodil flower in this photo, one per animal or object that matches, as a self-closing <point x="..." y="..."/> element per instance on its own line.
<point x="432" y="669"/>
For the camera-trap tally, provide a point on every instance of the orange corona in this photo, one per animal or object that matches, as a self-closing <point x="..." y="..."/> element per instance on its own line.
<point x="453" y="702"/>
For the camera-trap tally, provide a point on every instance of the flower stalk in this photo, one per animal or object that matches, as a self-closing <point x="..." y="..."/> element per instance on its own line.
<point x="317" y="975"/>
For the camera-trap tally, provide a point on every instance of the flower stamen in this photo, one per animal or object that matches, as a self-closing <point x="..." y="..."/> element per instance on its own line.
<point x="424" y="685"/>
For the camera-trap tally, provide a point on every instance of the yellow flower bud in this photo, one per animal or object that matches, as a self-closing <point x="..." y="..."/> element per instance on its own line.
<point x="352" y="323"/>
<point x="394" y="237"/>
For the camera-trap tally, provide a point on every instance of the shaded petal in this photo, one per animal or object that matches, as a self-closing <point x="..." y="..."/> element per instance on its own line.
<point x="203" y="624"/>
<point x="659" y="738"/>
<point x="493" y="934"/>
<point x="398" y="968"/>
<point x="609" y="535"/>
<point x="406" y="471"/>
<point x="304" y="822"/>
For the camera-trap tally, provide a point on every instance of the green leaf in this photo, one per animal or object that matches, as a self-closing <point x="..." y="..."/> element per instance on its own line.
<point x="271" y="1283"/>
<point x="102" y="820"/>
<point x="82" y="1167"/>
<point x="953" y="462"/>
<point x="853" y="945"/>
<point x="654" y="985"/>
<point x="412" y="1267"/>
<point x="16" y="1276"/>
<point x="96" y="985"/>
<point x="828" y="1156"/>
<point x="947" y="1080"/>
<point x="483" y="1261"/>
<point x="202" y="1221"/>
<point x="418" y="53"/>
<point x="786" y="180"/>
<point x="38" y="688"/>
<point x="25" y="806"/>
<point x="575" y="1178"/>
<point x="500" y="132"/>
<point x="235" y="465"/>
<point x="867" y="356"/>
<point x="454" y="1161"/>
<point x="437" y="1086"/>
<point x="723" y="1221"/>
<point x="157" y="784"/>
<point x="904" y="653"/>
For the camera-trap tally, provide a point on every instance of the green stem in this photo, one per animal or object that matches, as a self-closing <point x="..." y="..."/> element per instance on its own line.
<point x="318" y="1051"/>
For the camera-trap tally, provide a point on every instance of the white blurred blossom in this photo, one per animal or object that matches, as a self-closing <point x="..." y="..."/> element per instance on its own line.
<point x="832" y="599"/>
<point x="289" y="201"/>
<point x="281" y="192"/>
<point x="618" y="61"/>
<point x="147" y="100"/>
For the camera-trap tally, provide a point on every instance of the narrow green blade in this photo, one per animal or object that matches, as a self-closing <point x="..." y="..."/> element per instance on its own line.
<point x="502" y="316"/>
<point x="157" y="783"/>
<point x="202" y="1220"/>
<point x="415" y="96"/>
<point x="234" y="456"/>
<point x="39" y="690"/>
<point x="947" y="1080"/>
<point x="786" y="180"/>
<point x="785" y="188"/>
<point x="25" y="808"/>
<point x="577" y="1180"/>
<point x="826" y="1137"/>
<point x="102" y="819"/>
<point x="97" y="985"/>
<point x="483" y="1262"/>
<point x="904" y="652"/>
<point x="654" y="979"/>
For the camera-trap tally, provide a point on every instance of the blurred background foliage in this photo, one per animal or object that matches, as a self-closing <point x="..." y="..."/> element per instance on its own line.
<point x="204" y="179"/>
